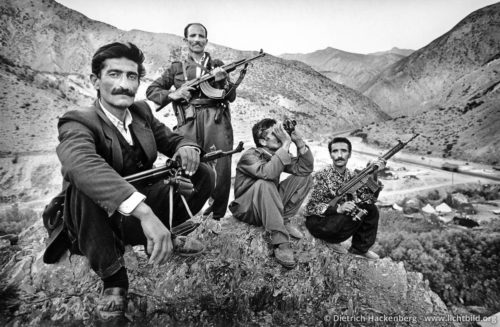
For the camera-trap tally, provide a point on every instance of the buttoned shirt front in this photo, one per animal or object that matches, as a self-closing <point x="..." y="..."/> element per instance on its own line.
<point x="202" y="62"/>
<point x="129" y="205"/>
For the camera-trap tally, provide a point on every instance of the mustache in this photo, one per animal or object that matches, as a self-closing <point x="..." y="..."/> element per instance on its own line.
<point x="124" y="91"/>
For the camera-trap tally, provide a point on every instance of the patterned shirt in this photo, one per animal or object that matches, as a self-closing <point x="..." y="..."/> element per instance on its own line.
<point x="326" y="184"/>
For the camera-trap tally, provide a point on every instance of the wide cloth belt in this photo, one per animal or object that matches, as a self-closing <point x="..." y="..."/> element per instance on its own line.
<point x="204" y="102"/>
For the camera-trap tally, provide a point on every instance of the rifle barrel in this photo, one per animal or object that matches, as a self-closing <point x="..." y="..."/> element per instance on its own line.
<point x="368" y="170"/>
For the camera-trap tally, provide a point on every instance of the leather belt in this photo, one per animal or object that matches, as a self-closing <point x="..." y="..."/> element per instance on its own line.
<point x="204" y="102"/>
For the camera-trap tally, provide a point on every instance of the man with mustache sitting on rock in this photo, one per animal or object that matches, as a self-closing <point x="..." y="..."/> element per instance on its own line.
<point x="101" y="144"/>
<point x="336" y="224"/>
<point x="205" y="119"/>
<point x="260" y="198"/>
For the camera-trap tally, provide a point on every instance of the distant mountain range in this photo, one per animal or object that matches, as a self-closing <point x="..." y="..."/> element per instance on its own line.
<point x="448" y="91"/>
<point x="424" y="79"/>
<point x="349" y="69"/>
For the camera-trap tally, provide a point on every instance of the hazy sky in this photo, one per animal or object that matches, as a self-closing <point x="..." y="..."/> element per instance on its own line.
<point x="291" y="26"/>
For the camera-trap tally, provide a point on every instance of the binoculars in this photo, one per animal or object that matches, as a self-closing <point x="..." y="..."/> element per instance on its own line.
<point x="289" y="125"/>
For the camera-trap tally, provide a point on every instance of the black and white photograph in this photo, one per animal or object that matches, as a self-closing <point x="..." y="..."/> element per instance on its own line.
<point x="325" y="163"/>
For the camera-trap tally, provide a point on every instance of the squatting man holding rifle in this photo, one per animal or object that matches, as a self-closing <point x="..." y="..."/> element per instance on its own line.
<point x="101" y="144"/>
<point x="357" y="217"/>
<point x="204" y="119"/>
<point x="260" y="199"/>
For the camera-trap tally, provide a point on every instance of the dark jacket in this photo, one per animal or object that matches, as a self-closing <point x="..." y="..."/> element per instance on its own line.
<point x="91" y="156"/>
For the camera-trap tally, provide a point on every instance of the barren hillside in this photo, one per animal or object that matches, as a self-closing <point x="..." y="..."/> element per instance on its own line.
<point x="424" y="79"/>
<point x="350" y="69"/>
<point x="51" y="38"/>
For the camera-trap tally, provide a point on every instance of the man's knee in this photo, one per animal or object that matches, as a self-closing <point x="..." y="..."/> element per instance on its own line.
<point x="305" y="182"/>
<point x="373" y="213"/>
<point x="266" y="197"/>
<point x="262" y="185"/>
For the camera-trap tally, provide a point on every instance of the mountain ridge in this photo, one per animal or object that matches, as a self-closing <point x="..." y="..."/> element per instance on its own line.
<point x="347" y="68"/>
<point x="273" y="87"/>
<point x="417" y="82"/>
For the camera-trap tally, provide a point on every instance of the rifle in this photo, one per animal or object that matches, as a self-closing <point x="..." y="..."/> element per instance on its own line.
<point x="173" y="166"/>
<point x="171" y="173"/>
<point x="213" y="93"/>
<point x="364" y="178"/>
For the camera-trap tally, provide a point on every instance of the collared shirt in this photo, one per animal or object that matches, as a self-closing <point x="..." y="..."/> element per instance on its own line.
<point x="326" y="184"/>
<point x="129" y="205"/>
<point x="202" y="62"/>
<point x="122" y="126"/>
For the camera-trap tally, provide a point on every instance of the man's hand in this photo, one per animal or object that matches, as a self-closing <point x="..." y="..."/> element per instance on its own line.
<point x="190" y="159"/>
<point x="346" y="207"/>
<point x="219" y="73"/>
<point x="380" y="163"/>
<point x="184" y="92"/>
<point x="159" y="238"/>
<point x="297" y="138"/>
<point x="282" y="135"/>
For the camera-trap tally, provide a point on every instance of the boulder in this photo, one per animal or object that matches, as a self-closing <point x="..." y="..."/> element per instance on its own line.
<point x="235" y="282"/>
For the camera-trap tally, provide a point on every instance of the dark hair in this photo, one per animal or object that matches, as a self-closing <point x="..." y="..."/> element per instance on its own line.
<point x="118" y="50"/>
<point x="259" y="128"/>
<point x="340" y="140"/>
<point x="191" y="24"/>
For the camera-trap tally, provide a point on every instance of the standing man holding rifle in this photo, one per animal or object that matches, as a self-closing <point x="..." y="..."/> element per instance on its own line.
<point x="202" y="112"/>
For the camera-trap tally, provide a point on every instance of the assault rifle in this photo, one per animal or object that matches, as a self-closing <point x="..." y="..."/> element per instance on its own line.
<point x="172" y="165"/>
<point x="347" y="192"/>
<point x="172" y="175"/>
<point x="214" y="93"/>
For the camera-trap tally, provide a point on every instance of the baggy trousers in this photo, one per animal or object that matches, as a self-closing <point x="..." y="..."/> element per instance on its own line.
<point x="338" y="227"/>
<point x="102" y="239"/>
<point x="264" y="204"/>
<point x="207" y="133"/>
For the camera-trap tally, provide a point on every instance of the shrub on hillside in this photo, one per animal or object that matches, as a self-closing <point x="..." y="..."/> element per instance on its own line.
<point x="461" y="265"/>
<point x="14" y="220"/>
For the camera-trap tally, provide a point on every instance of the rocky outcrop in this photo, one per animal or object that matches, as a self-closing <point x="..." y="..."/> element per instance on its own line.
<point x="235" y="282"/>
